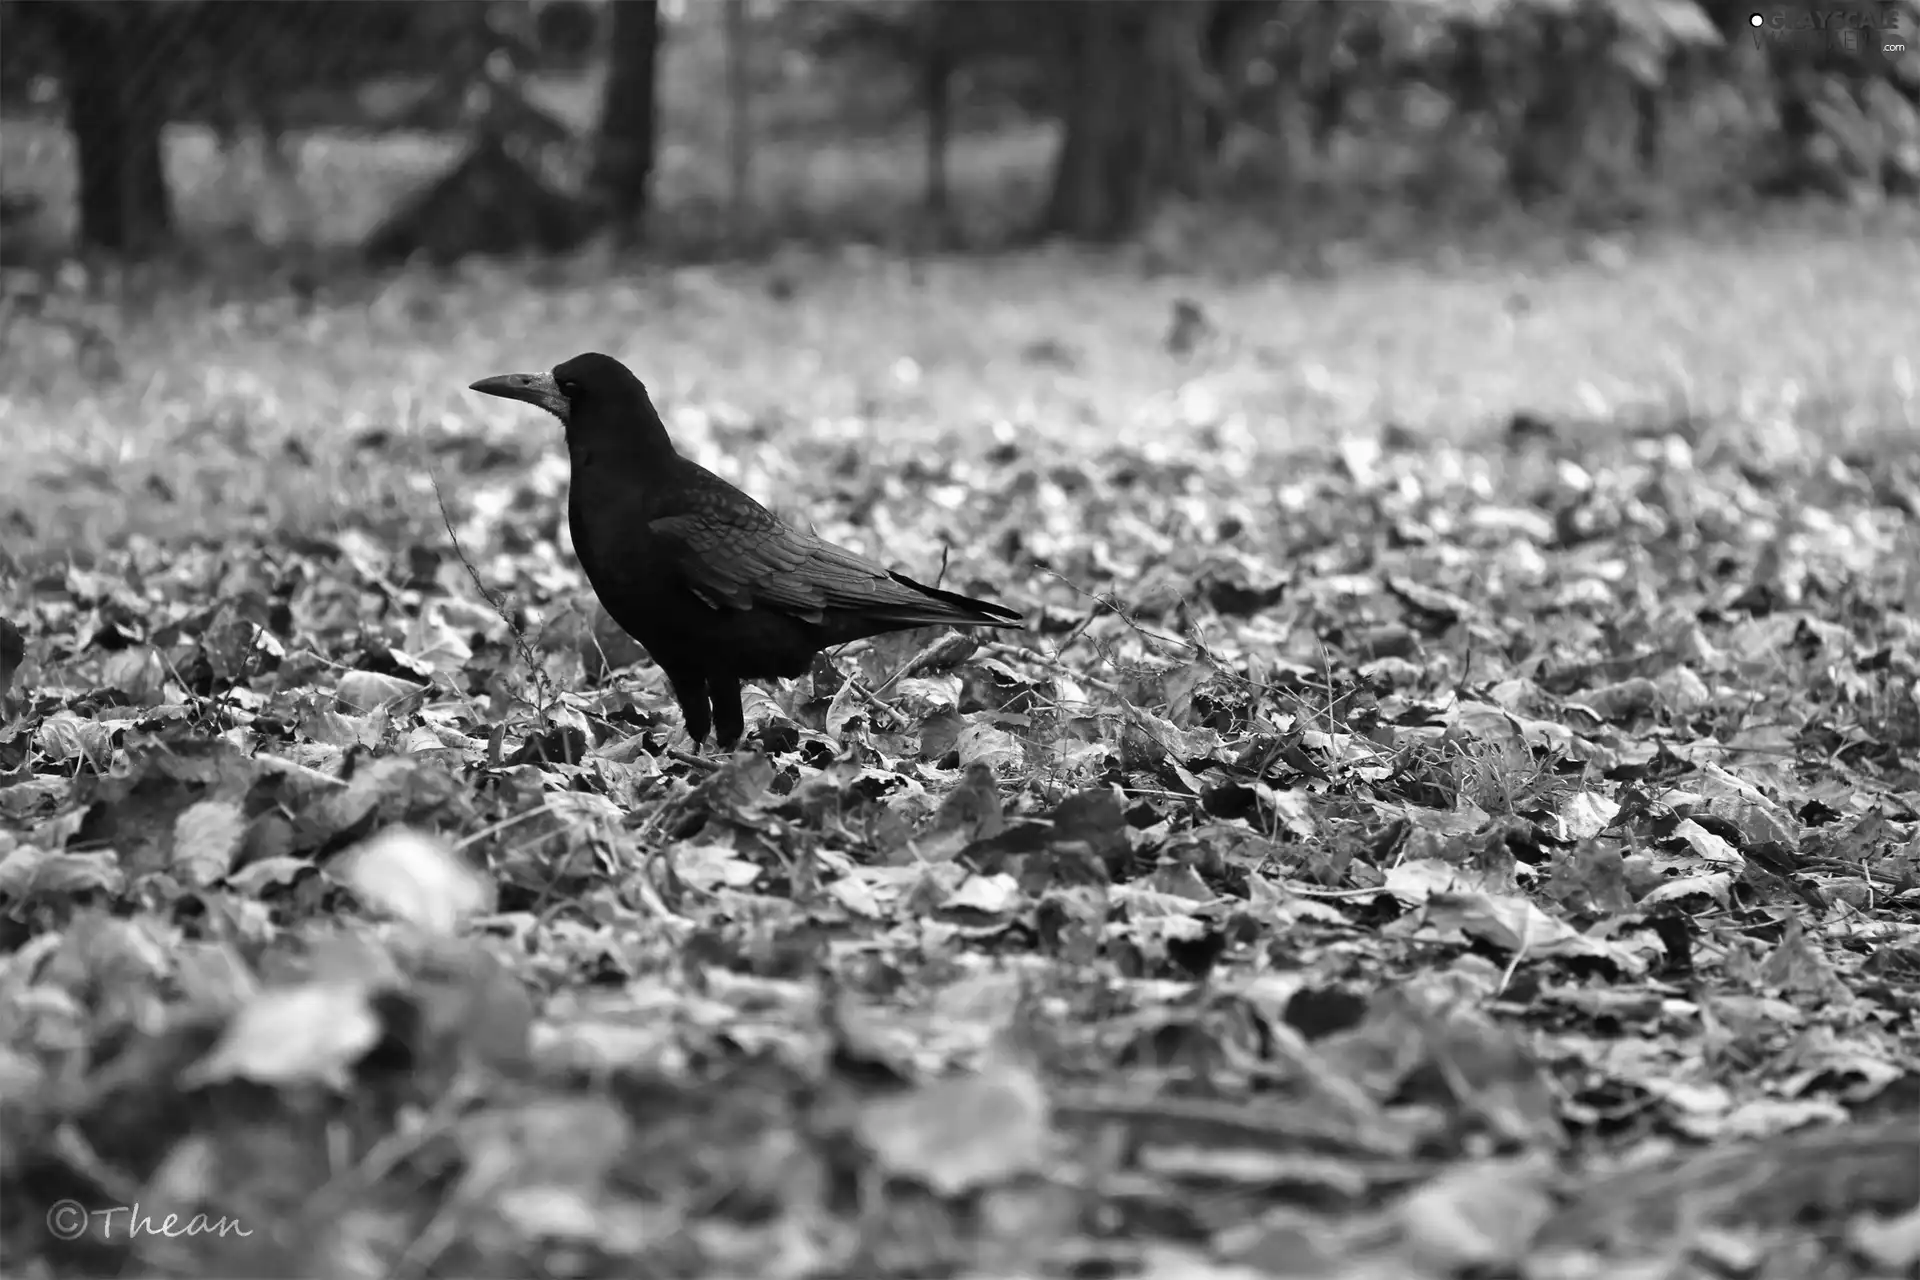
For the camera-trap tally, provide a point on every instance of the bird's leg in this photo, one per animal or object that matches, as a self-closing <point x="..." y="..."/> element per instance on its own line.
<point x="690" y="691"/>
<point x="729" y="717"/>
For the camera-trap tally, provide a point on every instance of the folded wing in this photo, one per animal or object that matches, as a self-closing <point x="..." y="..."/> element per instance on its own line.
<point x="736" y="557"/>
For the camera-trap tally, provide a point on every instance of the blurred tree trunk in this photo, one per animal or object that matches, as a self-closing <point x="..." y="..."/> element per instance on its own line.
<point x="1231" y="35"/>
<point x="116" y="108"/>
<point x="739" y="121"/>
<point x="1657" y="103"/>
<point x="1134" y="115"/>
<point x="1650" y="115"/>
<point x="623" y="165"/>
<point x="495" y="198"/>
<point x="1346" y="59"/>
<point x="937" y="67"/>
<point x="1547" y="147"/>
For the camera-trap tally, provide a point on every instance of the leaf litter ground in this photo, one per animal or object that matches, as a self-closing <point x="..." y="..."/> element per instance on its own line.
<point x="1393" y="852"/>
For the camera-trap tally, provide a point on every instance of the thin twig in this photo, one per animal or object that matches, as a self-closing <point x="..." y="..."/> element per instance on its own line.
<point x="692" y="761"/>
<point x="541" y="682"/>
<point x="1123" y="615"/>
<point x="1014" y="653"/>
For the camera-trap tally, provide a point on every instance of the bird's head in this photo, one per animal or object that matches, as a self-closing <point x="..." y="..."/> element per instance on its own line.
<point x="596" y="398"/>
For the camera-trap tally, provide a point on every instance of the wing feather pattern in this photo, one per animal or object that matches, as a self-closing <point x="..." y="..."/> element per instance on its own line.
<point x="735" y="554"/>
<point x="736" y="563"/>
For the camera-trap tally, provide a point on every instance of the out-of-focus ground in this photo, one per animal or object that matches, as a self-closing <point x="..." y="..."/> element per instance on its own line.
<point x="1809" y="320"/>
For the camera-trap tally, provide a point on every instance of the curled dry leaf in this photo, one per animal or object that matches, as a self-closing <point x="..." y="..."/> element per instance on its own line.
<point x="313" y="1032"/>
<point x="416" y="876"/>
<point x="962" y="1133"/>
<point x="369" y="690"/>
<point x="206" y="837"/>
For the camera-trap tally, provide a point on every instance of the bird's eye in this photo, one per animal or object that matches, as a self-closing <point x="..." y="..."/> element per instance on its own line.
<point x="568" y="386"/>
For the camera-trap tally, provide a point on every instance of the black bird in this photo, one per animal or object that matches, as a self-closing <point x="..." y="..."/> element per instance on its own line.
<point x="710" y="582"/>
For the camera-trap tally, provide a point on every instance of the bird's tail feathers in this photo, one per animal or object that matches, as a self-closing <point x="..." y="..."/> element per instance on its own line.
<point x="952" y="607"/>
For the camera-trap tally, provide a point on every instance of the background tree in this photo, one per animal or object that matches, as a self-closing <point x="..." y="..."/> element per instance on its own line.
<point x="739" y="120"/>
<point x="1134" y="114"/>
<point x="496" y="198"/>
<point x="116" y="96"/>
<point x="1141" y="100"/>
<point x="128" y="68"/>
<point x="623" y="161"/>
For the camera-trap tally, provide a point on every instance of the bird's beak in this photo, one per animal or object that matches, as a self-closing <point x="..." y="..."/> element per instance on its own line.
<point x="537" y="389"/>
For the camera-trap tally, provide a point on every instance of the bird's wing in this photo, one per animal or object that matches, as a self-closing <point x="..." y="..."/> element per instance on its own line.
<point x="738" y="557"/>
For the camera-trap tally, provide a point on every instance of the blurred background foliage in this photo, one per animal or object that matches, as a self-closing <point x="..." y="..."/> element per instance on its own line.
<point x="449" y="127"/>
